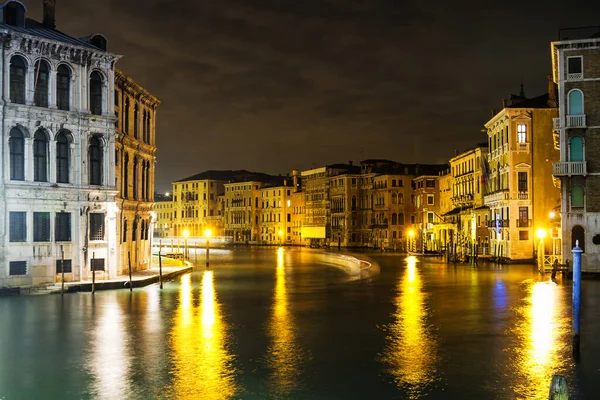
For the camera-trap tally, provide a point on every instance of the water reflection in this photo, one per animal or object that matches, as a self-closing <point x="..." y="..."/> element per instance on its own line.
<point x="411" y="352"/>
<point x="540" y="354"/>
<point x="110" y="363"/>
<point x="202" y="364"/>
<point x="284" y="352"/>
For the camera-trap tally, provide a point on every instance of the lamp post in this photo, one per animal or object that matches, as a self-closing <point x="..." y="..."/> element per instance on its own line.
<point x="280" y="237"/>
<point x="186" y="233"/>
<point x="207" y="234"/>
<point x="541" y="234"/>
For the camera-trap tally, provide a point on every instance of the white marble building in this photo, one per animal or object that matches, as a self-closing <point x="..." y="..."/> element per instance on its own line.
<point x="57" y="167"/>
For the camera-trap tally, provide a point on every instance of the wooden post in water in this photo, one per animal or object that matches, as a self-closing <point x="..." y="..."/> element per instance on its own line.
<point x="130" y="280"/>
<point x="160" y="263"/>
<point x="93" y="273"/>
<point x="62" y="269"/>
<point x="559" y="388"/>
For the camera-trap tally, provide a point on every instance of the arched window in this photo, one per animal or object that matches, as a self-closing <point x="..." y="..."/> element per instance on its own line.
<point x="63" y="153"/>
<point x="136" y="121"/>
<point x="63" y="88"/>
<point x="96" y="93"/>
<point x="126" y="177"/>
<point x="576" y="148"/>
<point x="135" y="178"/>
<point x="17" y="155"/>
<point x="126" y="115"/>
<point x="577" y="196"/>
<point x="95" y="161"/>
<point x="40" y="156"/>
<point x="124" y="237"/>
<point x="41" y="81"/>
<point x="18" y="70"/>
<point x="394" y="198"/>
<point x="401" y="219"/>
<point x="401" y="198"/>
<point x="578" y="234"/>
<point x="394" y="219"/>
<point x="575" y="102"/>
<point x="353" y="203"/>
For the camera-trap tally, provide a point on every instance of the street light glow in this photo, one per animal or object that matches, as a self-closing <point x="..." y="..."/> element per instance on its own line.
<point x="541" y="233"/>
<point x="552" y="214"/>
<point x="411" y="233"/>
<point x="208" y="233"/>
<point x="280" y="233"/>
<point x="186" y="233"/>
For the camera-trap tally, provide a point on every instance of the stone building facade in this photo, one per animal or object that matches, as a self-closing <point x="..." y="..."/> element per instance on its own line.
<point x="576" y="71"/>
<point x="135" y="160"/>
<point x="519" y="187"/>
<point x="241" y="209"/>
<point x="57" y="191"/>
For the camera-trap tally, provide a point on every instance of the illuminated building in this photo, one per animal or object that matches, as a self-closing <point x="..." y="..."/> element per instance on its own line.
<point x="58" y="175"/>
<point x="275" y="215"/>
<point x="425" y="202"/>
<point x="470" y="212"/>
<point x="575" y="60"/>
<point x="163" y="207"/>
<point x="519" y="189"/>
<point x="135" y="163"/>
<point x="241" y="208"/>
<point x="444" y="229"/>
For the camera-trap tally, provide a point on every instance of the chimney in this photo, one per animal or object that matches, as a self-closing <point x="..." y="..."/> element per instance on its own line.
<point x="49" y="20"/>
<point x="503" y="103"/>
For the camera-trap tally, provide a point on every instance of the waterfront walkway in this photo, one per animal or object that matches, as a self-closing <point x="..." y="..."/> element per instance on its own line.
<point x="170" y="269"/>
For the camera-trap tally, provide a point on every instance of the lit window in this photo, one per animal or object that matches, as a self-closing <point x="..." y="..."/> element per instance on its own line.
<point x="522" y="133"/>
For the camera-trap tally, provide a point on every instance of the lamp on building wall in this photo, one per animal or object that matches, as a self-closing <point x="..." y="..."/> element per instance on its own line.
<point x="411" y="235"/>
<point x="280" y="237"/>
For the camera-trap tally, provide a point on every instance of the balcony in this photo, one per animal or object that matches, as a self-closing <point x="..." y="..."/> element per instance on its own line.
<point x="575" y="76"/>
<point x="502" y="223"/>
<point x="523" y="195"/>
<point x="569" y="168"/>
<point x="524" y="223"/>
<point x="522" y="146"/>
<point x="556" y="124"/>
<point x="498" y="196"/>
<point x="576" y="121"/>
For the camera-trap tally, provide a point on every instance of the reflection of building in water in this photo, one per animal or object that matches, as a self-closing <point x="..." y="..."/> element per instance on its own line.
<point x="284" y="352"/>
<point x="411" y="351"/>
<point x="202" y="365"/>
<point x="110" y="362"/>
<point x="538" y="353"/>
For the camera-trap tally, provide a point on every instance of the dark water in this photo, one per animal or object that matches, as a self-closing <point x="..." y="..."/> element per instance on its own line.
<point x="269" y="324"/>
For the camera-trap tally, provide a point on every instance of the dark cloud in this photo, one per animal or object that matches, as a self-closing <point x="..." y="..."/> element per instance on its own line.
<point x="271" y="85"/>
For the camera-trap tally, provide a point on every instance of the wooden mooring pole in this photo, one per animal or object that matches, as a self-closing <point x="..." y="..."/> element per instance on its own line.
<point x="160" y="263"/>
<point x="130" y="280"/>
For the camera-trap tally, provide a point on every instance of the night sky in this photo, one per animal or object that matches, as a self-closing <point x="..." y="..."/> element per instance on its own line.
<point x="273" y="85"/>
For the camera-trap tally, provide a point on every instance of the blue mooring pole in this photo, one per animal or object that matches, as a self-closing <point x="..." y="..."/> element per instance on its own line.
<point x="576" y="295"/>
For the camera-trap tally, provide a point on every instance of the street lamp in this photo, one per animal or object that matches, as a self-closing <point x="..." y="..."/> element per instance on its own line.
<point x="280" y="237"/>
<point x="411" y="234"/>
<point x="541" y="234"/>
<point x="207" y="234"/>
<point x="186" y="233"/>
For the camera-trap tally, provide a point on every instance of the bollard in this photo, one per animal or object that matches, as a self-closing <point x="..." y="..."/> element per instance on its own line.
<point x="576" y="295"/>
<point x="559" y="388"/>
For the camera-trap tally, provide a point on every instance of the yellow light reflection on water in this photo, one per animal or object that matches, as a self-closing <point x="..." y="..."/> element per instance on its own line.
<point x="284" y="352"/>
<point x="411" y="352"/>
<point x="540" y="346"/>
<point x="202" y="365"/>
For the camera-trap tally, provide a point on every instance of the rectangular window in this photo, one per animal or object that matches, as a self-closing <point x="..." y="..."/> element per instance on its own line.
<point x="97" y="264"/>
<point x="41" y="227"/>
<point x="62" y="227"/>
<point x="96" y="226"/>
<point x="574" y="67"/>
<point x="17" y="268"/>
<point x="18" y="226"/>
<point x="67" y="265"/>
<point x="521" y="133"/>
<point x="522" y="181"/>
<point x="523" y="235"/>
<point x="430" y="199"/>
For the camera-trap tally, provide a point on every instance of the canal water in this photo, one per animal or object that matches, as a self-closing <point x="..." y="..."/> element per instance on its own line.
<point x="286" y="324"/>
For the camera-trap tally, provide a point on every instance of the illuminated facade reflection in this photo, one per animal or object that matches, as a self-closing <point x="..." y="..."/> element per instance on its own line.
<point x="539" y="352"/>
<point x="411" y="352"/>
<point x="110" y="363"/>
<point x="284" y="353"/>
<point x="203" y="367"/>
